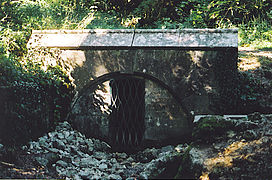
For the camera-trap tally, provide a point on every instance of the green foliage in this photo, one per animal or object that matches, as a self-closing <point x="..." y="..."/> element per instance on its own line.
<point x="255" y="93"/>
<point x="109" y="20"/>
<point x="256" y="33"/>
<point x="32" y="99"/>
<point x="35" y="100"/>
<point x="12" y="43"/>
<point x="252" y="17"/>
<point x="151" y="12"/>
<point x="210" y="127"/>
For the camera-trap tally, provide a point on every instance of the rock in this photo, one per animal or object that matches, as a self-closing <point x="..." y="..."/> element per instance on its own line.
<point x="96" y="177"/>
<point x="80" y="140"/>
<point x="77" y="177"/>
<point x="84" y="148"/>
<point x="147" y="155"/>
<point x="130" y="159"/>
<point x="114" y="176"/>
<point x="58" y="144"/>
<point x="90" y="145"/>
<point x="76" y="163"/>
<point x="143" y="175"/>
<point x="62" y="163"/>
<point x="180" y="148"/>
<point x="60" y="170"/>
<point x="197" y="159"/>
<point x="100" y="155"/>
<point x="66" y="134"/>
<point x="103" y="166"/>
<point x="64" y="126"/>
<point x="51" y="157"/>
<point x="122" y="155"/>
<point x="231" y="134"/>
<point x="101" y="146"/>
<point x="60" y="136"/>
<point x="70" y="138"/>
<point x="42" y="161"/>
<point x="268" y="132"/>
<point x="241" y="125"/>
<point x="70" y="172"/>
<point x="24" y="147"/>
<point x="89" y="161"/>
<point x="113" y="160"/>
<point x="167" y="148"/>
<point x="2" y="149"/>
<point x="74" y="156"/>
<point x="255" y="117"/>
<point x="84" y="174"/>
<point x="158" y="165"/>
<point x="210" y="127"/>
<point x="250" y="135"/>
<point x="43" y="142"/>
<point x="34" y="146"/>
<point x="82" y="155"/>
<point x="54" y="150"/>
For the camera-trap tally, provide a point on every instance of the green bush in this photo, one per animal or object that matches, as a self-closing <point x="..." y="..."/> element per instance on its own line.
<point x="255" y="94"/>
<point x="34" y="100"/>
<point x="256" y="33"/>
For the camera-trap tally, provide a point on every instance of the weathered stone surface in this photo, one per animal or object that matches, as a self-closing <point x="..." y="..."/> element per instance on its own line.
<point x="156" y="38"/>
<point x="191" y="76"/>
<point x="80" y="39"/>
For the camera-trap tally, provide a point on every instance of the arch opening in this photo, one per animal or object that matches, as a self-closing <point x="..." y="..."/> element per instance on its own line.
<point x="126" y="121"/>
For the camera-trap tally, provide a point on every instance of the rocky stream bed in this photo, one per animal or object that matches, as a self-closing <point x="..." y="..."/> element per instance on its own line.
<point x="221" y="148"/>
<point x="66" y="153"/>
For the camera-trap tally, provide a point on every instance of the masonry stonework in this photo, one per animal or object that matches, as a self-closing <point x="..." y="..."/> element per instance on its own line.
<point x="182" y="70"/>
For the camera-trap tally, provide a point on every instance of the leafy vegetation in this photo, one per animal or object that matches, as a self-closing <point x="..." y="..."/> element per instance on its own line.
<point x="34" y="100"/>
<point x="209" y="128"/>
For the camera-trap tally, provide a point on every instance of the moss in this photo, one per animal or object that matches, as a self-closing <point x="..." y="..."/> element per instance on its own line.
<point x="210" y="127"/>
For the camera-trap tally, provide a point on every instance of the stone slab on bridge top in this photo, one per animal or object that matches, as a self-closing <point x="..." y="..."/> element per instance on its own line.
<point x="134" y="38"/>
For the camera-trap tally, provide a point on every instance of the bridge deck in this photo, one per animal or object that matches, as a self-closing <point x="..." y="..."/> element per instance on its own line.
<point x="134" y="38"/>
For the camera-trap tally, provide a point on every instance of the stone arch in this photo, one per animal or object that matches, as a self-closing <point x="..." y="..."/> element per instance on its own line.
<point x="108" y="76"/>
<point x="166" y="117"/>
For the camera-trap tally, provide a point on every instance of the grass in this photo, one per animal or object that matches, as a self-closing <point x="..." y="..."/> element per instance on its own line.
<point x="256" y="34"/>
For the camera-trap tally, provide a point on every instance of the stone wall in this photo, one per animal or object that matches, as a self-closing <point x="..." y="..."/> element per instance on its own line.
<point x="194" y="76"/>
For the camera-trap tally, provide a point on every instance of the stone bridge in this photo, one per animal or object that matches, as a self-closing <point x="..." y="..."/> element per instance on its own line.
<point x="141" y="86"/>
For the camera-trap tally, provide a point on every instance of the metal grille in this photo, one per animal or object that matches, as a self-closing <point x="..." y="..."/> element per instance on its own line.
<point x="126" y="125"/>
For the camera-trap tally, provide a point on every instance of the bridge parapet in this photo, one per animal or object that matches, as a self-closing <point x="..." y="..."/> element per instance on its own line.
<point x="138" y="38"/>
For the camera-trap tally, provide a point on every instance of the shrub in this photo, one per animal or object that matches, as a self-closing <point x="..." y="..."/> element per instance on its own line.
<point x="32" y="100"/>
